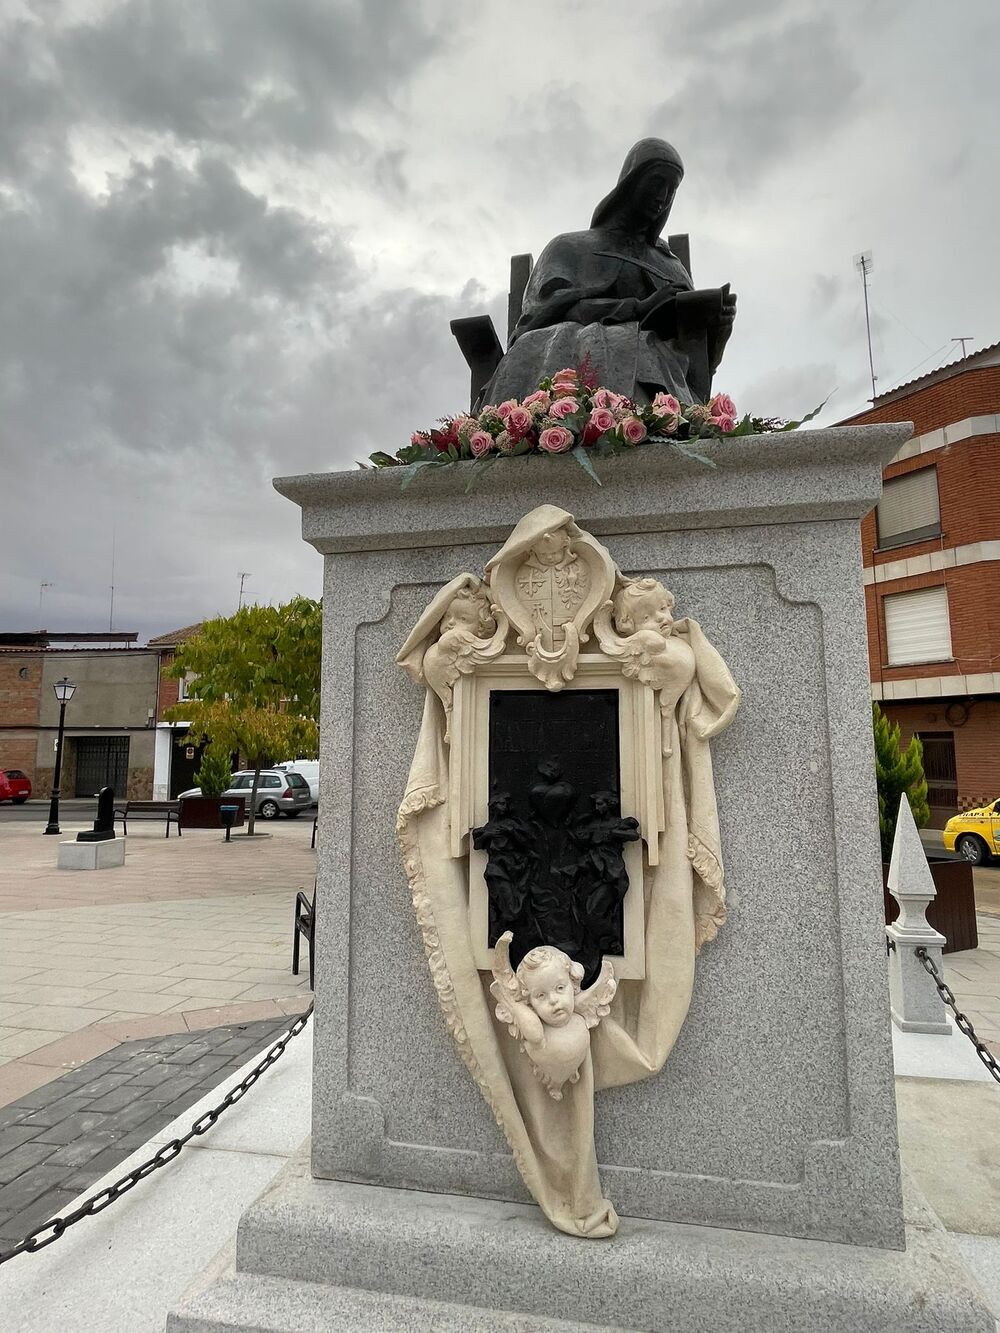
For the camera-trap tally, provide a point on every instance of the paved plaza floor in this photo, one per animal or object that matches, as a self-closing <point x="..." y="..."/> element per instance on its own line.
<point x="189" y="934"/>
<point x="128" y="995"/>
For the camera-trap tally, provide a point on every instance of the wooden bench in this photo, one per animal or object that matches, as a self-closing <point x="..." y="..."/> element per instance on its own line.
<point x="166" y="810"/>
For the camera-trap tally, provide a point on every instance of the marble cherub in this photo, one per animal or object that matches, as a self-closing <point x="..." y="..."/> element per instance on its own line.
<point x="459" y="630"/>
<point x="639" y="629"/>
<point x="544" y="1007"/>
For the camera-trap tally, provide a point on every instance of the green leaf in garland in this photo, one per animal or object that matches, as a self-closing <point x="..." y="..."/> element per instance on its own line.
<point x="411" y="469"/>
<point x="583" y="458"/>
<point x="745" y="426"/>
<point x="693" y="453"/>
<point x="794" y="425"/>
<point x="381" y="459"/>
<point x="522" y="447"/>
<point x="479" y="471"/>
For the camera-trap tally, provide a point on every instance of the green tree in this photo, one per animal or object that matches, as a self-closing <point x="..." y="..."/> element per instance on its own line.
<point x="897" y="771"/>
<point x="214" y="770"/>
<point x="253" y="684"/>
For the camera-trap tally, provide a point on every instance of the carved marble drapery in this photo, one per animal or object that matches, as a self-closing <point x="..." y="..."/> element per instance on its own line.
<point x="548" y="592"/>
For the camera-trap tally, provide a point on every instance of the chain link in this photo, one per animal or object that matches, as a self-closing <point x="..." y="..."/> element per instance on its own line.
<point x="49" y="1231"/>
<point x="961" y="1022"/>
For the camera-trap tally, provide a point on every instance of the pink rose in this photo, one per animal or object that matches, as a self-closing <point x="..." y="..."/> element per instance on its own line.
<point x="504" y="409"/>
<point x="724" y="423"/>
<point x="722" y="406"/>
<point x="633" y="431"/>
<point x="480" y="442"/>
<point x="519" y="421"/>
<point x="603" y="397"/>
<point x="602" y="419"/>
<point x="555" y="439"/>
<point x="666" y="405"/>
<point x="419" y="437"/>
<point x="540" y="398"/>
<point x="563" y="407"/>
<point x="566" y="376"/>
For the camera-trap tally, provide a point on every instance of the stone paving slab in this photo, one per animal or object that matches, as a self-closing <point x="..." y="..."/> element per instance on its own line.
<point x="58" y="1140"/>
<point x="186" y="936"/>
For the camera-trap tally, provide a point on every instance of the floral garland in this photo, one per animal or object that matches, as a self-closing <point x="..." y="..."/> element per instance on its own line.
<point x="569" y="413"/>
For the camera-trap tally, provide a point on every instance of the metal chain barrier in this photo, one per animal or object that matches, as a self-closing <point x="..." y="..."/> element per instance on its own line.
<point x="961" y="1022"/>
<point x="49" y="1231"/>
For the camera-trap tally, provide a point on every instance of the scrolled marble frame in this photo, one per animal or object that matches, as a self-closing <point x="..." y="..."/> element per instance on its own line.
<point x="551" y="581"/>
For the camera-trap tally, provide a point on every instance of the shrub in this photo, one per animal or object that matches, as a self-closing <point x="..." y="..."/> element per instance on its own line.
<point x="897" y="771"/>
<point x="215" y="771"/>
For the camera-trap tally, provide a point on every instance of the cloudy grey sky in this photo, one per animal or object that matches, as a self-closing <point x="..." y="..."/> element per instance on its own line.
<point x="232" y="233"/>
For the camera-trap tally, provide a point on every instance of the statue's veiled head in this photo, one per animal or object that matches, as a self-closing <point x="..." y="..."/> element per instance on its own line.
<point x="644" y="195"/>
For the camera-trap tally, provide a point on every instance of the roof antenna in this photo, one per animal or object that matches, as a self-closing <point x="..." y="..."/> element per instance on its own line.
<point x="863" y="263"/>
<point x="962" y="341"/>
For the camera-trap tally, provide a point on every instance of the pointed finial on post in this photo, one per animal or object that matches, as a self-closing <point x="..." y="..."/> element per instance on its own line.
<point x="913" y="997"/>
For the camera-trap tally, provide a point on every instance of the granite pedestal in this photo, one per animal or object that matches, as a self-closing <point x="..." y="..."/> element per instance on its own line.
<point x="774" y="1115"/>
<point x="102" y="855"/>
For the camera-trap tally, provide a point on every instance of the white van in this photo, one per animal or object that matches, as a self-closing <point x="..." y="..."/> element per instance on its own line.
<point x="307" y="768"/>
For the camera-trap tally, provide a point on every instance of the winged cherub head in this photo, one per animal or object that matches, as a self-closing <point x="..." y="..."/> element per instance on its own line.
<point x="469" y="610"/>
<point x="644" y="604"/>
<point x="550" y="982"/>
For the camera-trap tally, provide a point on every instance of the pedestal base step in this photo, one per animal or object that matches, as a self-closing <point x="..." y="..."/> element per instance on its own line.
<point x="360" y="1256"/>
<point x="256" y="1304"/>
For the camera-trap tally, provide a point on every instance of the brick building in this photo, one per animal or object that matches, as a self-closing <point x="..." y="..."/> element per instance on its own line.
<point x="174" y="763"/>
<point x="110" y="720"/>
<point x="932" y="577"/>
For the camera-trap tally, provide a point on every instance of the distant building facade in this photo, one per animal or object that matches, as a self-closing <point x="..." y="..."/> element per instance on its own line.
<point x="175" y="762"/>
<point x="931" y="553"/>
<point x="110" y="721"/>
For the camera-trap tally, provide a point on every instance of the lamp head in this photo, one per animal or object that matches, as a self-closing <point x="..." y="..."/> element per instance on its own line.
<point x="64" y="690"/>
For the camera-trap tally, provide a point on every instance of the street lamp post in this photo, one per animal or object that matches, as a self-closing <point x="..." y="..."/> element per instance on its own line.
<point x="64" y="692"/>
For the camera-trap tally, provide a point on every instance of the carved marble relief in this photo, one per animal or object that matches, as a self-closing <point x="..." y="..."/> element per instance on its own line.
<point x="562" y="843"/>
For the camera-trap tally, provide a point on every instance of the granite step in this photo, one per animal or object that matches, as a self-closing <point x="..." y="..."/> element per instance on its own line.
<point x="255" y="1304"/>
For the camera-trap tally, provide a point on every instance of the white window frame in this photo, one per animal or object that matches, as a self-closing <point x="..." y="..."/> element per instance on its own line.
<point x="917" y="626"/>
<point x="916" y="491"/>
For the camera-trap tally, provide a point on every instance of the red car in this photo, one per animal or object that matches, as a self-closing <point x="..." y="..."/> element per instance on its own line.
<point x="14" y="785"/>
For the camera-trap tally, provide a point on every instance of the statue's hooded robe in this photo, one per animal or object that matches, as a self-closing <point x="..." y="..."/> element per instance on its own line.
<point x="581" y="300"/>
<point x="553" y="1142"/>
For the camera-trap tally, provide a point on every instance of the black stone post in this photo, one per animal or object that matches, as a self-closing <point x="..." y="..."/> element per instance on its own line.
<point x="53" y="825"/>
<point x="104" y="824"/>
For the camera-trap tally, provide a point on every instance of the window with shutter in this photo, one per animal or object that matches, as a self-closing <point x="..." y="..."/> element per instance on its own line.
<point x="917" y="626"/>
<point x="909" y="510"/>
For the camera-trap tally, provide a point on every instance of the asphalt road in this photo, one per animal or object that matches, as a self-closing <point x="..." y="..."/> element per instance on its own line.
<point x="72" y="810"/>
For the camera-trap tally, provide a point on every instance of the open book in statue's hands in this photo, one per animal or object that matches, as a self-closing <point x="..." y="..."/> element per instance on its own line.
<point x="670" y="314"/>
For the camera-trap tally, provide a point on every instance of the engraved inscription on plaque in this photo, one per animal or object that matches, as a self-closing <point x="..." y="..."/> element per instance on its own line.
<point x="555" y="836"/>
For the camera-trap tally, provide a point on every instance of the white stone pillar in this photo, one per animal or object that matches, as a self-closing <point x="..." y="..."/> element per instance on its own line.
<point x="913" y="998"/>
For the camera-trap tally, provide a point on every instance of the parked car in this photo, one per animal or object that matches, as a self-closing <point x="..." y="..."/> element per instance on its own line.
<point x="14" y="785"/>
<point x="974" y="834"/>
<point x="278" y="793"/>
<point x="308" y="768"/>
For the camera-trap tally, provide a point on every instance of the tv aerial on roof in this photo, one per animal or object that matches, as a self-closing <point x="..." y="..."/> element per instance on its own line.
<point x="864" y="264"/>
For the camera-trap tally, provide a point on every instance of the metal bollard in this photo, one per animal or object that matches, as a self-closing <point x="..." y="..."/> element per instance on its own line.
<point x="228" y="814"/>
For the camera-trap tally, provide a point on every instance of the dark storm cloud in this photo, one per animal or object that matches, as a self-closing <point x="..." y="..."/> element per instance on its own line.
<point x="247" y="75"/>
<point x="232" y="235"/>
<point x="99" y="333"/>
<point x="781" y="90"/>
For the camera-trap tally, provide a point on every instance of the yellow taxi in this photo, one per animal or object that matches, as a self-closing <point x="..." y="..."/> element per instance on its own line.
<point x="974" y="834"/>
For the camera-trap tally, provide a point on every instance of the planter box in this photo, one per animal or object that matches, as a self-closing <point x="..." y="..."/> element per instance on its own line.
<point x="204" y="811"/>
<point x="953" y="911"/>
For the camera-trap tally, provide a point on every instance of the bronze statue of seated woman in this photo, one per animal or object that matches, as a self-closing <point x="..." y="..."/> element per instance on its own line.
<point x="618" y="296"/>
